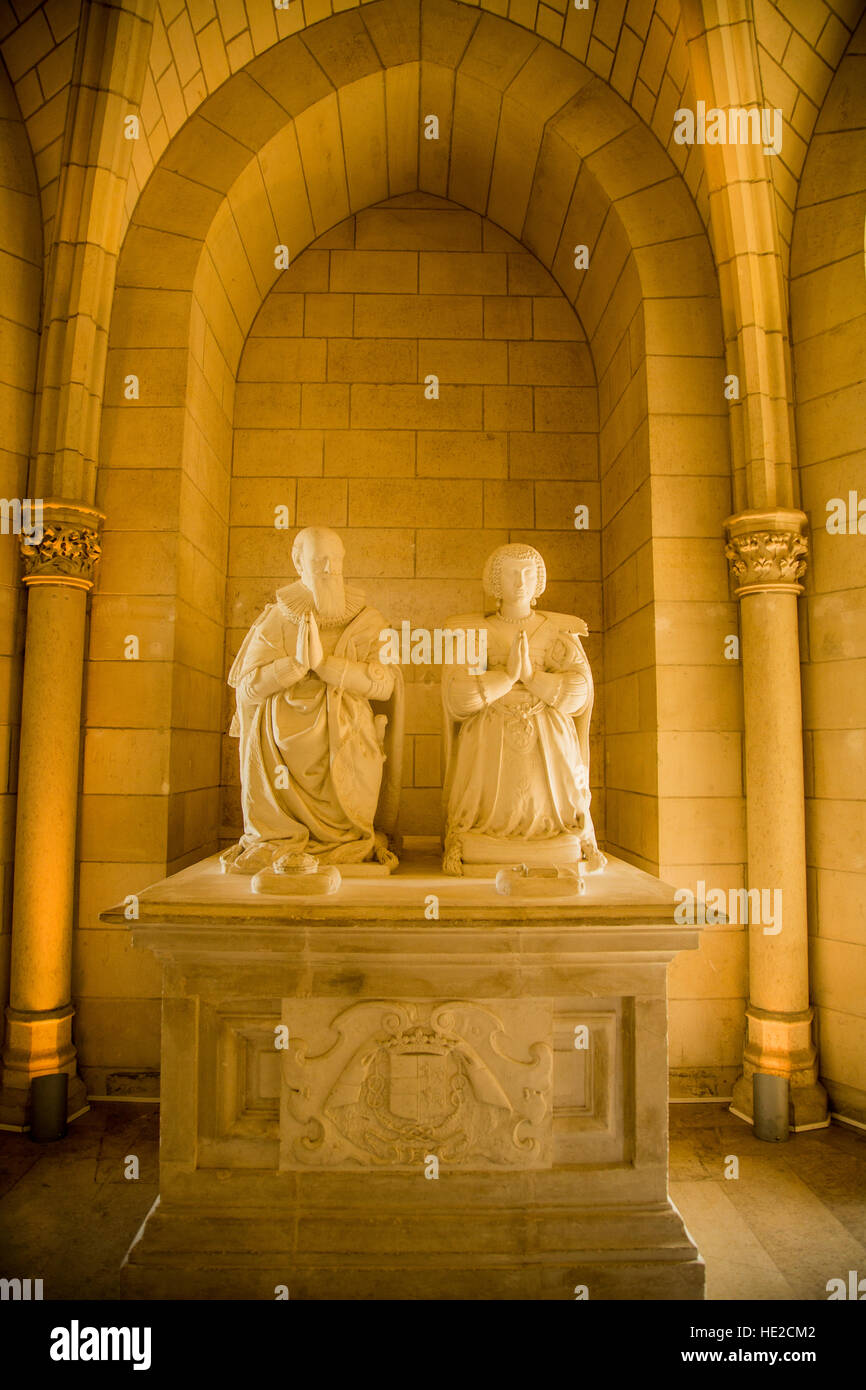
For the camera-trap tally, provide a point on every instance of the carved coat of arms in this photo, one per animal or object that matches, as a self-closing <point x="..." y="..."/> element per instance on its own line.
<point x="400" y="1081"/>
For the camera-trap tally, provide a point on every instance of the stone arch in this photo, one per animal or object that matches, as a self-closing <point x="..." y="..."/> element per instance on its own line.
<point x="641" y="54"/>
<point x="199" y="255"/>
<point x="334" y="427"/>
<point x="640" y="50"/>
<point x="273" y="159"/>
<point x="828" y="323"/>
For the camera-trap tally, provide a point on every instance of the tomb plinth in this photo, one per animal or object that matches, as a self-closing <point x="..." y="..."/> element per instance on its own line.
<point x="364" y="1099"/>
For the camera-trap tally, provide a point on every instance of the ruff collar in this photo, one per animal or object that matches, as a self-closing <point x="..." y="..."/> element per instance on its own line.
<point x="295" y="600"/>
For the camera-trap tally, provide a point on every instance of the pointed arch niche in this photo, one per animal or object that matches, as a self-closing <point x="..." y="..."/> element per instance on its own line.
<point x="334" y="423"/>
<point x="249" y="374"/>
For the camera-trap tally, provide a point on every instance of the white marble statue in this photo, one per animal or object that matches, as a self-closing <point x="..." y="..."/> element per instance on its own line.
<point x="320" y="768"/>
<point x="517" y="736"/>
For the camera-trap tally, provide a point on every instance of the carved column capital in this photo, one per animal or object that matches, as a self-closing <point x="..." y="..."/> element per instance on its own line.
<point x="62" y="544"/>
<point x="767" y="550"/>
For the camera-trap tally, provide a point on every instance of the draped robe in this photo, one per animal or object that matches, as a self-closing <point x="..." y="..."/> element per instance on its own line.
<point x="312" y="753"/>
<point x="517" y="766"/>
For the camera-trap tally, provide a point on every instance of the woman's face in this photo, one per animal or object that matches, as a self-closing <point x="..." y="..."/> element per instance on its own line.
<point x="517" y="580"/>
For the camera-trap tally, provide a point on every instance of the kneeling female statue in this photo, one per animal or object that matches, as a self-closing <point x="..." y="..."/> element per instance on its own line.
<point x="517" y="735"/>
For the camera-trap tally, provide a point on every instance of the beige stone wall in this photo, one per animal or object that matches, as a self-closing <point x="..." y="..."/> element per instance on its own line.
<point x="673" y="722"/>
<point x="196" y="267"/>
<point x="828" y="320"/>
<point x="21" y="277"/>
<point x="151" y="782"/>
<point x="551" y="153"/>
<point x="38" y="49"/>
<point x="799" y="45"/>
<point x="261" y="125"/>
<point x="331" y="422"/>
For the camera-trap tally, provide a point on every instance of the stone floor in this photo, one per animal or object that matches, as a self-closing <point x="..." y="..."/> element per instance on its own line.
<point x="793" y="1218"/>
<point x="67" y="1213"/>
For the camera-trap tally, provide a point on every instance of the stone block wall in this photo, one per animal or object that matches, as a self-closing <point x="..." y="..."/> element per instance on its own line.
<point x="328" y="418"/>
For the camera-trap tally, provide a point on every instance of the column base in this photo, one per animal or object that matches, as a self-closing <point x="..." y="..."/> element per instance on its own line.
<point x="38" y="1043"/>
<point x="781" y="1044"/>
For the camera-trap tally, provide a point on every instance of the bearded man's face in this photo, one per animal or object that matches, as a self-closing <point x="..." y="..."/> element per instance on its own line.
<point x="322" y="574"/>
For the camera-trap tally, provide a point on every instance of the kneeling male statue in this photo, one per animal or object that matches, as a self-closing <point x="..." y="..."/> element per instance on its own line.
<point x="320" y="768"/>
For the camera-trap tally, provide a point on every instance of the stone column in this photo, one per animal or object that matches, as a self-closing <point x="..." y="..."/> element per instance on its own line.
<point x="767" y="553"/>
<point x="58" y="574"/>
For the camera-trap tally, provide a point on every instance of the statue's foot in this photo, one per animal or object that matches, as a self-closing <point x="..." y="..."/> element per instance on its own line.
<point x="251" y="860"/>
<point x="228" y="858"/>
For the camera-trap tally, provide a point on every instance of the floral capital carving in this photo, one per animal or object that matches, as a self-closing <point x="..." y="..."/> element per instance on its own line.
<point x="767" y="550"/>
<point x="65" y="549"/>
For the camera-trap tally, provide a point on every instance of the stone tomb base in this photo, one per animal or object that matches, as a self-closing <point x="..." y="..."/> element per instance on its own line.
<point x="324" y="1060"/>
